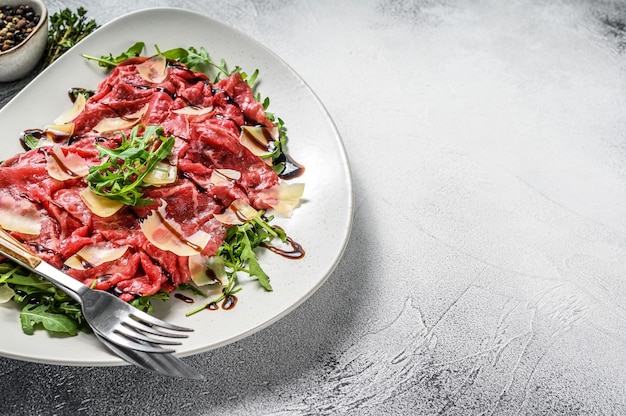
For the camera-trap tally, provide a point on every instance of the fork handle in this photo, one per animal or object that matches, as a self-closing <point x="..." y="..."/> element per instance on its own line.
<point x="16" y="251"/>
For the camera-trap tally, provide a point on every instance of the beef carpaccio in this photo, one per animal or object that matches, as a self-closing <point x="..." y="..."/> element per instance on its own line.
<point x="206" y="120"/>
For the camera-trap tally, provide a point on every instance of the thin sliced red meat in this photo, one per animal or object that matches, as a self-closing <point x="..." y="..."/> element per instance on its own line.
<point x="204" y="142"/>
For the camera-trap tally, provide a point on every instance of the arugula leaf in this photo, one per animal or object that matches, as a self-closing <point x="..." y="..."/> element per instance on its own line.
<point x="109" y="61"/>
<point x="241" y="241"/>
<point x="278" y="151"/>
<point x="31" y="316"/>
<point x="120" y="176"/>
<point x="194" y="59"/>
<point x="144" y="302"/>
<point x="198" y="59"/>
<point x="176" y="54"/>
<point x="30" y="283"/>
<point x="254" y="268"/>
<point x="30" y="140"/>
<point x="247" y="255"/>
<point x="192" y="288"/>
<point x="238" y="253"/>
<point x="42" y="303"/>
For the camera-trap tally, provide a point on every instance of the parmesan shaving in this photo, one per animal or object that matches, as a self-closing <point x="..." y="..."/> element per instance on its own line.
<point x="207" y="270"/>
<point x="154" y="69"/>
<point x="238" y="212"/>
<point x="120" y="123"/>
<point x="63" y="167"/>
<point x="283" y="198"/>
<point x="162" y="174"/>
<point x="100" y="205"/>
<point x="20" y="216"/>
<point x="167" y="234"/>
<point x="192" y="110"/>
<point x="71" y="114"/>
<point x="224" y="176"/>
<point x="95" y="255"/>
<point x="257" y="139"/>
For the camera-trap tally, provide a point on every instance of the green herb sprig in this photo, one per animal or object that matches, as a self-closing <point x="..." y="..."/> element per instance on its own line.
<point x="66" y="29"/>
<point x="240" y="242"/>
<point x="145" y="302"/>
<point x="121" y="176"/>
<point x="196" y="59"/>
<point x="109" y="61"/>
<point x="238" y="253"/>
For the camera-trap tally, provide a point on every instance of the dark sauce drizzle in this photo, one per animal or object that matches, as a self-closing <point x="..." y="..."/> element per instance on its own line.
<point x="30" y="199"/>
<point x="184" y="298"/>
<point x="154" y="260"/>
<point x="55" y="136"/>
<point x="84" y="262"/>
<point x="292" y="168"/>
<point x="116" y="291"/>
<point x="211" y="275"/>
<point x="40" y="249"/>
<point x="229" y="302"/>
<point x="296" y="252"/>
<point x="187" y="176"/>
<point x="172" y="95"/>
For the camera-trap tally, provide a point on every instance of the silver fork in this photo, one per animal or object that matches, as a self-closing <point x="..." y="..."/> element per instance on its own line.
<point x="111" y="318"/>
<point x="167" y="363"/>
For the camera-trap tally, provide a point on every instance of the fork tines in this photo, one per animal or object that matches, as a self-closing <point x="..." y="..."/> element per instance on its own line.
<point x="134" y="332"/>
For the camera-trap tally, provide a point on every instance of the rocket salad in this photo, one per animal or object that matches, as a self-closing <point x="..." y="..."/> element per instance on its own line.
<point x="185" y="202"/>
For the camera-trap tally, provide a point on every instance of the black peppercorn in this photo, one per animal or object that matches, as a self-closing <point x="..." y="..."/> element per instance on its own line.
<point x="16" y="23"/>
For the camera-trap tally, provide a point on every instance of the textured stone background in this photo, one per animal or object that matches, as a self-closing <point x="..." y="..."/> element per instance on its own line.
<point x="484" y="274"/>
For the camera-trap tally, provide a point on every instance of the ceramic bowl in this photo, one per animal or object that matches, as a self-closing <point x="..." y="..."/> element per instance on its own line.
<point x="19" y="61"/>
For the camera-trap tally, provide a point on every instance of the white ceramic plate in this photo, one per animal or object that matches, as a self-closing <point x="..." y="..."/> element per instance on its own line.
<point x="322" y="224"/>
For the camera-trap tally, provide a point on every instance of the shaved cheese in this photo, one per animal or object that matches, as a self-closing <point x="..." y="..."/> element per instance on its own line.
<point x="167" y="234"/>
<point x="120" y="123"/>
<point x="55" y="134"/>
<point x="207" y="270"/>
<point x="60" y="129"/>
<point x="79" y="106"/>
<point x="283" y="198"/>
<point x="95" y="255"/>
<point x="100" y="205"/>
<point x="238" y="212"/>
<point x="63" y="167"/>
<point x="224" y="176"/>
<point x="257" y="139"/>
<point x="192" y="110"/>
<point x="6" y="293"/>
<point x="162" y="174"/>
<point x="19" y="215"/>
<point x="154" y="69"/>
